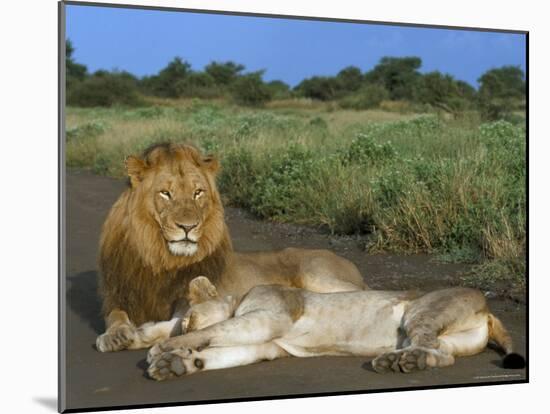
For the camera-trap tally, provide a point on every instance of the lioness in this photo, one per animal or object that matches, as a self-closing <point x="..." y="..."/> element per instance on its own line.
<point x="167" y="228"/>
<point x="404" y="331"/>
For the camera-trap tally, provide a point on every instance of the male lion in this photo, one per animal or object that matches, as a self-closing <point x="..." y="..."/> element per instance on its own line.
<point x="167" y="228"/>
<point x="404" y="331"/>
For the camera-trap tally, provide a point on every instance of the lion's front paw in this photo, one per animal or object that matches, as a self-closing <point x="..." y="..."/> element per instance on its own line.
<point x="176" y="363"/>
<point x="116" y="339"/>
<point x="407" y="360"/>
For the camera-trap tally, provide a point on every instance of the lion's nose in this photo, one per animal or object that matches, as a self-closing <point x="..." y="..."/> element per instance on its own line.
<point x="187" y="227"/>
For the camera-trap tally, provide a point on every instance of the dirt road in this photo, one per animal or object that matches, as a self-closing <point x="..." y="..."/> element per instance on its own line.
<point x="113" y="379"/>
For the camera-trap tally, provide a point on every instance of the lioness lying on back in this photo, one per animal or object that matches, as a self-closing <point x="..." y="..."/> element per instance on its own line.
<point x="404" y="331"/>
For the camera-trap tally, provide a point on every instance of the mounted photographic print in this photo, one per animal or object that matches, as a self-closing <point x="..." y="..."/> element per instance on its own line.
<point x="259" y="207"/>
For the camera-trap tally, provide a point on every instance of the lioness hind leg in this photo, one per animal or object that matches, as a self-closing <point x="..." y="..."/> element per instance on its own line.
<point x="188" y="361"/>
<point x="448" y="310"/>
<point x="433" y="325"/>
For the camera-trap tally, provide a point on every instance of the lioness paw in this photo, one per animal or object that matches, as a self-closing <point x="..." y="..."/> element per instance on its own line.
<point x="116" y="339"/>
<point x="176" y="363"/>
<point x="413" y="360"/>
<point x="386" y="363"/>
<point x="154" y="352"/>
<point x="407" y="360"/>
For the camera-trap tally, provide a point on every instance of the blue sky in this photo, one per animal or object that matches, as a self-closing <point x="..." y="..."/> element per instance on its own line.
<point x="144" y="41"/>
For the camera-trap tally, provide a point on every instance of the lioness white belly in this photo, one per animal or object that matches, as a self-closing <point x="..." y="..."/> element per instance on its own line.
<point x="351" y="323"/>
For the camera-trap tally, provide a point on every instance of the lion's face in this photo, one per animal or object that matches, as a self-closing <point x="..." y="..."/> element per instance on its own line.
<point x="176" y="186"/>
<point x="181" y="201"/>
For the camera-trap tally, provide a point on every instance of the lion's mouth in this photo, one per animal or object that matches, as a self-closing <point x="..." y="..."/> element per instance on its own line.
<point x="186" y="240"/>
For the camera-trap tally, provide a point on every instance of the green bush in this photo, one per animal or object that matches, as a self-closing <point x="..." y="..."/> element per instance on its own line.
<point x="277" y="186"/>
<point x="443" y="92"/>
<point x="323" y="88"/>
<point x="86" y="130"/>
<point x="250" y="90"/>
<point x="365" y="150"/>
<point x="105" y="89"/>
<point x="224" y="73"/>
<point x="279" y="89"/>
<point x="500" y="90"/>
<point x="369" y="96"/>
<point x="164" y="83"/>
<point x="198" y="85"/>
<point x="238" y="177"/>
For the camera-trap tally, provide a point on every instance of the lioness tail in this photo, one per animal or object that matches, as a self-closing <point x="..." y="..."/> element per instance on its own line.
<point x="499" y="334"/>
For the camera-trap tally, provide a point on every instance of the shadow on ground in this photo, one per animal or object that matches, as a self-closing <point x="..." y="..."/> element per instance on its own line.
<point x="84" y="301"/>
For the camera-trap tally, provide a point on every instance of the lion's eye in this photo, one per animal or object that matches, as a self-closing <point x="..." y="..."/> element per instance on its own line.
<point x="166" y="195"/>
<point x="198" y="193"/>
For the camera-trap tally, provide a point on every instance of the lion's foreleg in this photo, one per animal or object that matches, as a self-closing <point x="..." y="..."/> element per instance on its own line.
<point x="120" y="332"/>
<point x="187" y="361"/>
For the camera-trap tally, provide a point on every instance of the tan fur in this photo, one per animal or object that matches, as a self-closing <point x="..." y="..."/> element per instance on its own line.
<point x="142" y="280"/>
<point x="403" y="331"/>
<point x="499" y="334"/>
<point x="201" y="290"/>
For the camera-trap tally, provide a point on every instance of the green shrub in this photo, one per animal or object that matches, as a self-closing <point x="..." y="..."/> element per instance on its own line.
<point x="164" y="84"/>
<point x="318" y="122"/>
<point x="279" y="89"/>
<point x="238" y="177"/>
<point x="199" y="85"/>
<point x="105" y="89"/>
<point x="323" y="88"/>
<point x="365" y="150"/>
<point x="278" y="184"/>
<point x="250" y="90"/>
<point x="151" y="112"/>
<point x="86" y="130"/>
<point x="369" y="96"/>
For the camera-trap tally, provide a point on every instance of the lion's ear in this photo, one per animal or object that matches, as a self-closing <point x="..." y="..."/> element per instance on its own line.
<point x="201" y="290"/>
<point x="135" y="167"/>
<point x="211" y="163"/>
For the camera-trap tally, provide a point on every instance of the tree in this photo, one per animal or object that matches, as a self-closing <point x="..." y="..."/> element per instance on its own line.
<point x="398" y="75"/>
<point x="74" y="71"/>
<point x="368" y="96"/>
<point x="504" y="82"/>
<point x="279" y="89"/>
<point x="442" y="91"/>
<point x="250" y="90"/>
<point x="350" y="78"/>
<point x="500" y="91"/>
<point x="105" y="89"/>
<point x="466" y="90"/>
<point x="323" y="88"/>
<point x="197" y="84"/>
<point x="224" y="73"/>
<point x="164" y="83"/>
